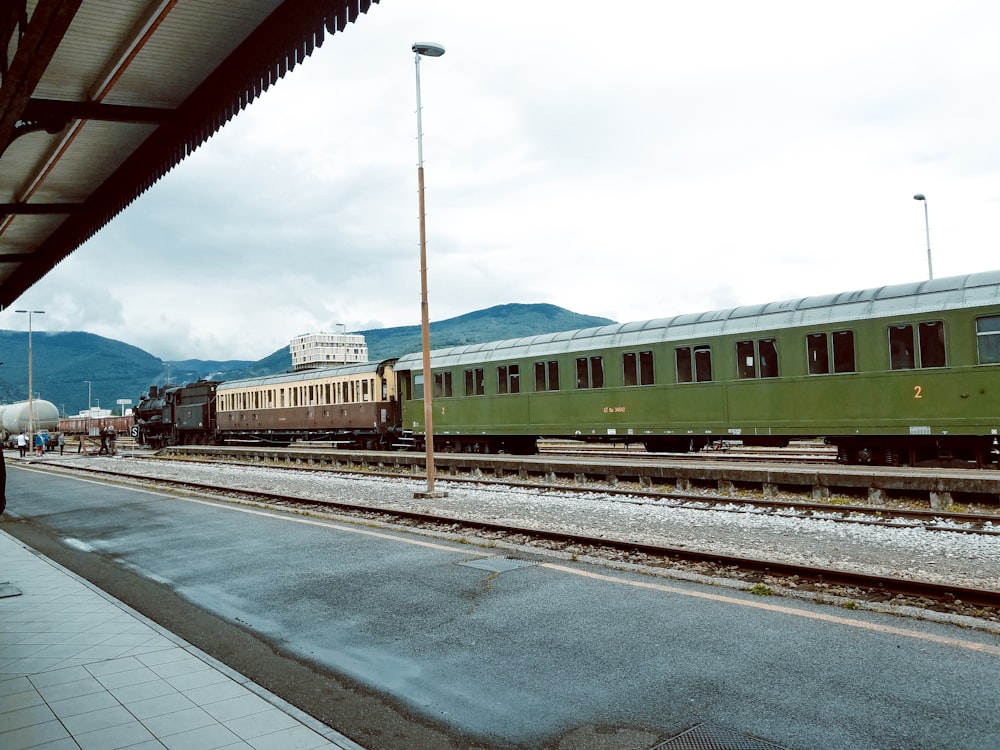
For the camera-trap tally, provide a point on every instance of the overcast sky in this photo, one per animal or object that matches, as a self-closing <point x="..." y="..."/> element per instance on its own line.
<point x="631" y="160"/>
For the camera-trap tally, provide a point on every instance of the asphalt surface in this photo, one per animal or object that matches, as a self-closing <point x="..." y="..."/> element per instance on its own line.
<point x="405" y="641"/>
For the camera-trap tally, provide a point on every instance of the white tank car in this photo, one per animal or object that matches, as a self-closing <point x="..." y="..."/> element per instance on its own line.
<point x="15" y="417"/>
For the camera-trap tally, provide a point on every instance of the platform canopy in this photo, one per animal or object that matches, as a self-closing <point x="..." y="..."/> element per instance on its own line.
<point x="100" y="98"/>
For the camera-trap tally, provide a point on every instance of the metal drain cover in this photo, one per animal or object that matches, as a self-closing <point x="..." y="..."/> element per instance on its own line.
<point x="714" y="737"/>
<point x="498" y="564"/>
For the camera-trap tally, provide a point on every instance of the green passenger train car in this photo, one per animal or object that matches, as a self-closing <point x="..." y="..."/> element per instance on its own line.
<point x="902" y="374"/>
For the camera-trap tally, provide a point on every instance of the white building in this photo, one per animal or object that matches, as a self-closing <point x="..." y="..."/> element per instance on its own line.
<point x="323" y="349"/>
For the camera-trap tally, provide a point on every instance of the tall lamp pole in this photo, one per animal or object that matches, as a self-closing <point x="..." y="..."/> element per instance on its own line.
<point x="89" y="413"/>
<point x="31" y="387"/>
<point x="427" y="49"/>
<point x="927" y="230"/>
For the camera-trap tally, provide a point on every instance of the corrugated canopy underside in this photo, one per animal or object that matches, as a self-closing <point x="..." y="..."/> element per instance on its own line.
<point x="100" y="98"/>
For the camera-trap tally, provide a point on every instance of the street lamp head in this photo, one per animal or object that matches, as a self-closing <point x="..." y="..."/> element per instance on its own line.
<point x="428" y="49"/>
<point x="919" y="197"/>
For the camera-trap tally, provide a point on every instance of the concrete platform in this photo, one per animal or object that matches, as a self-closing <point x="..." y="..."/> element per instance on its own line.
<point x="79" y="669"/>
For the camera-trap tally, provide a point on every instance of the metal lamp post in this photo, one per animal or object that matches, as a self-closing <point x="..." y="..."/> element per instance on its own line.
<point x="31" y="389"/>
<point x="429" y="50"/>
<point x="927" y="229"/>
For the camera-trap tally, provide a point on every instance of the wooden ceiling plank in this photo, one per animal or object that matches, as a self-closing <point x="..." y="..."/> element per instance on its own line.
<point x="46" y="28"/>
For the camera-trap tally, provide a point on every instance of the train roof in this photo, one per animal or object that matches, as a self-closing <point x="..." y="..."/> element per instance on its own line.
<point x="931" y="296"/>
<point x="359" y="368"/>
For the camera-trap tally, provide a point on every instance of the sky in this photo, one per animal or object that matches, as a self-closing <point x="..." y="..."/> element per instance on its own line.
<point x="628" y="160"/>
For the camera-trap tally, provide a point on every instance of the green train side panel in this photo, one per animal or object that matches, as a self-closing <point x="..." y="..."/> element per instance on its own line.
<point x="962" y="398"/>
<point x="928" y="401"/>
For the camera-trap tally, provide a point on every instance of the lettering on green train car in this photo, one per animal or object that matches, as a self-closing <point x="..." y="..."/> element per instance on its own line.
<point x="614" y="409"/>
<point x="918" y="391"/>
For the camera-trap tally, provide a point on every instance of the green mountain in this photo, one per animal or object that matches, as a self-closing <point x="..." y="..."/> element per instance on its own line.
<point x="493" y="324"/>
<point x="76" y="369"/>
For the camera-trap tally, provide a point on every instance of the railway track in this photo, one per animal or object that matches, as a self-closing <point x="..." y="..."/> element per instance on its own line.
<point x="760" y="576"/>
<point x="852" y="512"/>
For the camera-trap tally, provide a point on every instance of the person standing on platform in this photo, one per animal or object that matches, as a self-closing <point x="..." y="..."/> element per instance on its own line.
<point x="22" y="444"/>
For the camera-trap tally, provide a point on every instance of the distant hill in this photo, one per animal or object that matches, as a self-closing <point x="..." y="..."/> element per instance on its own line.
<point x="492" y="324"/>
<point x="67" y="366"/>
<point x="70" y="367"/>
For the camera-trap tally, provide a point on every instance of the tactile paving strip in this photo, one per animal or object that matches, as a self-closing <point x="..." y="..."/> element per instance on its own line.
<point x="714" y="737"/>
<point x="498" y="564"/>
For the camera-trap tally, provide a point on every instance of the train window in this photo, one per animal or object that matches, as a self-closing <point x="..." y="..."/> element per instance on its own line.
<point x="590" y="372"/>
<point x="930" y="345"/>
<point x="931" y="336"/>
<point x="767" y="351"/>
<point x="629" y="374"/>
<point x="646" y="376"/>
<point x="703" y="363"/>
<point x="760" y="360"/>
<point x="442" y="385"/>
<point x="694" y="365"/>
<point x="817" y="354"/>
<point x="901" y="352"/>
<point x="637" y="370"/>
<point x="547" y="376"/>
<point x="843" y="351"/>
<point x="988" y="339"/>
<point x="475" y="382"/>
<point x="685" y="373"/>
<point x="745" y="363"/>
<point x="508" y="379"/>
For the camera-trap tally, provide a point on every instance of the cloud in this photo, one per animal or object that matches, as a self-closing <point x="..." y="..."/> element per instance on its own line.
<point x="630" y="162"/>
